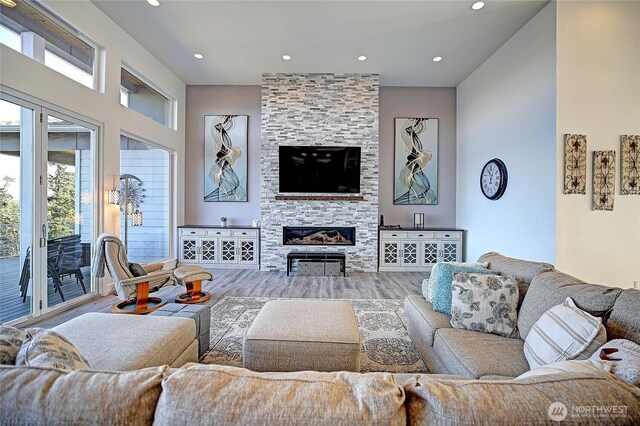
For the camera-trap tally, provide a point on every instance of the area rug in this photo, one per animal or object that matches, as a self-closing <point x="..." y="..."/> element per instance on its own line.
<point x="385" y="344"/>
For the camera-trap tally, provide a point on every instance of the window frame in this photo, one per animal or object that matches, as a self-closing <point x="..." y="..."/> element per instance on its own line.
<point x="171" y="101"/>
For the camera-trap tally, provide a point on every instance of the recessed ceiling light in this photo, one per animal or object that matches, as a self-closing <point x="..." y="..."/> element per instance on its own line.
<point x="477" y="5"/>
<point x="155" y="3"/>
<point x="286" y="57"/>
<point x="198" y="55"/>
<point x="437" y="59"/>
<point x="362" y="58"/>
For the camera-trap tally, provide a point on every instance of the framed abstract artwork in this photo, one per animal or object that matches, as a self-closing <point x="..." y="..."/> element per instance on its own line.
<point x="604" y="179"/>
<point x="575" y="164"/>
<point x="630" y="165"/>
<point x="415" y="161"/>
<point x="225" y="157"/>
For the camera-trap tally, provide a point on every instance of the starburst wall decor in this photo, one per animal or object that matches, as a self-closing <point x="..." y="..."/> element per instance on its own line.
<point x="630" y="165"/>
<point x="575" y="164"/>
<point x="604" y="179"/>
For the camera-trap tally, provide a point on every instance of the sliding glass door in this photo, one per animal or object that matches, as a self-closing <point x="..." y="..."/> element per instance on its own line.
<point x="47" y="209"/>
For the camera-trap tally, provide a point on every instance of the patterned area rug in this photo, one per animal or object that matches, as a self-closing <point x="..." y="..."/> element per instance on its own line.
<point x="385" y="344"/>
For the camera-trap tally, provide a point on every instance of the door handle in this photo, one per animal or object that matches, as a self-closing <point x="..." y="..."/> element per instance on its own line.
<point x="43" y="239"/>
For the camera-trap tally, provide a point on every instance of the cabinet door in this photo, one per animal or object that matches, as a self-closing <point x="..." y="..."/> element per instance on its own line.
<point x="247" y="251"/>
<point x="409" y="253"/>
<point x="450" y="251"/>
<point x="188" y="250"/>
<point x="390" y="253"/>
<point x="208" y="250"/>
<point x="430" y="249"/>
<point x="228" y="252"/>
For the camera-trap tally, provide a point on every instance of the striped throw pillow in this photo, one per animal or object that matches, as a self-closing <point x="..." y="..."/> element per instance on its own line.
<point x="563" y="332"/>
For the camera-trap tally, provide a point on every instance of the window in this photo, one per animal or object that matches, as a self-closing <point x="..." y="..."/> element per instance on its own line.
<point x="145" y="181"/>
<point x="30" y="29"/>
<point x="141" y="97"/>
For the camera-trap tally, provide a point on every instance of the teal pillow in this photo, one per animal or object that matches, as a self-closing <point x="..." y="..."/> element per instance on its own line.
<point x="442" y="298"/>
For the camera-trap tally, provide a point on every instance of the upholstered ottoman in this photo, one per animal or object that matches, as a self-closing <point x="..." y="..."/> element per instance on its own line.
<point x="296" y="335"/>
<point x="191" y="276"/>
<point x="201" y="314"/>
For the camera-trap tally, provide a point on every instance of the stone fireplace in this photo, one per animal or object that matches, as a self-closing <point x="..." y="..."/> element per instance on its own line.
<point x="319" y="236"/>
<point x="319" y="110"/>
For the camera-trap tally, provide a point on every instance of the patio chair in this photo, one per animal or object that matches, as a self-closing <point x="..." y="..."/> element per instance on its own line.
<point x="133" y="290"/>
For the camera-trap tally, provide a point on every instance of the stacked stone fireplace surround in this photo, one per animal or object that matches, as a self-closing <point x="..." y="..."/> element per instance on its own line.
<point x="319" y="110"/>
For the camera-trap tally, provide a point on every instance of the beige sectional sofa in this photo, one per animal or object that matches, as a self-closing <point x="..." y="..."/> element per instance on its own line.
<point x="476" y="355"/>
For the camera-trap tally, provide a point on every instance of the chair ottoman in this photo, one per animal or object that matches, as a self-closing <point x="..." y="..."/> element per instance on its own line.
<point x="297" y="335"/>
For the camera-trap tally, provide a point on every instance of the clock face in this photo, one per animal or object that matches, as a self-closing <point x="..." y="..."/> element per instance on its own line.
<point x="493" y="179"/>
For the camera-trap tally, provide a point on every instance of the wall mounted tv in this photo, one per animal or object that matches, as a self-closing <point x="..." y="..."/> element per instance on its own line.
<point x="328" y="169"/>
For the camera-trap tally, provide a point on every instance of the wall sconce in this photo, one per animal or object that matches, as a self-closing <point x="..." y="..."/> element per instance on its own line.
<point x="136" y="218"/>
<point x="114" y="193"/>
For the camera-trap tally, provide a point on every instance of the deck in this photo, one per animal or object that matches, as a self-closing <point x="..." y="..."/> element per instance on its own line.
<point x="11" y="305"/>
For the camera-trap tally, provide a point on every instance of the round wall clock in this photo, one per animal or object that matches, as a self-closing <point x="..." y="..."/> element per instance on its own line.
<point x="493" y="179"/>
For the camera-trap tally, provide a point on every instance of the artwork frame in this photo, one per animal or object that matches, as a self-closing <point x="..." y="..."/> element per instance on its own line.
<point x="415" y="160"/>
<point x="226" y="162"/>
<point x="630" y="165"/>
<point x="604" y="179"/>
<point x="575" y="164"/>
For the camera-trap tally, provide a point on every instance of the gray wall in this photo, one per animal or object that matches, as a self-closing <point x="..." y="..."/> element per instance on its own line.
<point x="220" y="100"/>
<point x="419" y="102"/>
<point x="507" y="109"/>
<point x="329" y="110"/>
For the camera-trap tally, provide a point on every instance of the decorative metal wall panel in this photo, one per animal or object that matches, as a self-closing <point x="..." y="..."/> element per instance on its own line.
<point x="630" y="165"/>
<point x="575" y="164"/>
<point x="604" y="179"/>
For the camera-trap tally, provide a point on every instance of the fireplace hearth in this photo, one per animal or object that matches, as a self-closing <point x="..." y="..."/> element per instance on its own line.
<point x="319" y="235"/>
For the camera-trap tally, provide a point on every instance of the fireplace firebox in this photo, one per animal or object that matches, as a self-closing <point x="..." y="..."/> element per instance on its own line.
<point x="319" y="235"/>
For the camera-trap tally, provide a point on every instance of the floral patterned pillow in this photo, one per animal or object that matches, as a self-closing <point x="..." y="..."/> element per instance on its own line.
<point x="485" y="303"/>
<point x="46" y="348"/>
<point x="10" y="342"/>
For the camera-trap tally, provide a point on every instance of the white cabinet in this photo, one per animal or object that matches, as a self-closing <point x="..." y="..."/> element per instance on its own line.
<point x="219" y="247"/>
<point x="418" y="250"/>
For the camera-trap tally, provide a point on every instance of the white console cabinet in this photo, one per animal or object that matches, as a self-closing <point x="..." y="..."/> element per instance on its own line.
<point x="411" y="250"/>
<point x="219" y="247"/>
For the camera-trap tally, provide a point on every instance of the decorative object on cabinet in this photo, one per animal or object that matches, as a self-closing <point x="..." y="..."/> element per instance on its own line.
<point x="219" y="247"/>
<point x="416" y="161"/>
<point x="225" y="157"/>
<point x="418" y="220"/>
<point x="604" y="179"/>
<point x="493" y="179"/>
<point x="630" y="165"/>
<point x="223" y="221"/>
<point x="411" y="250"/>
<point x="575" y="164"/>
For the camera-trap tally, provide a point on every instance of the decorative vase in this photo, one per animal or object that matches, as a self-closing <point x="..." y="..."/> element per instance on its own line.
<point x="223" y="222"/>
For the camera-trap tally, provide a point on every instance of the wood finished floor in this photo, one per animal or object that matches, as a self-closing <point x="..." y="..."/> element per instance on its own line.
<point x="248" y="283"/>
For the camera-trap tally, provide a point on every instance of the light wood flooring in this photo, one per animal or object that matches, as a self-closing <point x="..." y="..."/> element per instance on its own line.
<point x="249" y="283"/>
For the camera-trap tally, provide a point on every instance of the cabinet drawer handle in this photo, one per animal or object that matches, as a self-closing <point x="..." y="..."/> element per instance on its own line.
<point x="394" y="235"/>
<point x="193" y="232"/>
<point x="244" y="233"/>
<point x="420" y="235"/>
<point x="447" y="235"/>
<point x="218" y="232"/>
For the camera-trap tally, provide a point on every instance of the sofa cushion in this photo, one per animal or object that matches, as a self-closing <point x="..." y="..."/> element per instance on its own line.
<point x="229" y="395"/>
<point x="39" y="396"/>
<point x="442" y="298"/>
<point x="526" y="402"/>
<point x="46" y="348"/>
<point x="551" y="287"/>
<point x="625" y="359"/>
<point x="10" y="342"/>
<point x="522" y="270"/>
<point x="471" y="354"/>
<point x="624" y="322"/>
<point x="127" y="342"/>
<point x="421" y="315"/>
<point x="429" y="285"/>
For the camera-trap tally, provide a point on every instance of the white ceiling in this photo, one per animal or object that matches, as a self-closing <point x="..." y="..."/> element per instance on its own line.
<point x="243" y="39"/>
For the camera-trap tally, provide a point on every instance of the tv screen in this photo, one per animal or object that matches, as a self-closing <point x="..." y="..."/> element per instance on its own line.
<point x="332" y="169"/>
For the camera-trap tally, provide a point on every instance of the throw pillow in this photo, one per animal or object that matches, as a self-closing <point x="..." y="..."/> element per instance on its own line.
<point x="563" y="332"/>
<point x="137" y="270"/>
<point x="10" y="342"/>
<point x="429" y="286"/>
<point x="485" y="303"/>
<point x="587" y="366"/>
<point x="625" y="360"/>
<point x="442" y="298"/>
<point x="46" y="348"/>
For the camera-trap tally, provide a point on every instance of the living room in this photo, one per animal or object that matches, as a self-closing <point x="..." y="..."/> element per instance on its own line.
<point x="182" y="138"/>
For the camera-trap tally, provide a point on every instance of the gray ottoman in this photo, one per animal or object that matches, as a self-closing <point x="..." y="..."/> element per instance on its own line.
<point x="201" y="314"/>
<point x="296" y="335"/>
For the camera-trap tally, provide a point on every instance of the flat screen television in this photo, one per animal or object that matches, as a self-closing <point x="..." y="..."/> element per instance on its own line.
<point x="329" y="169"/>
